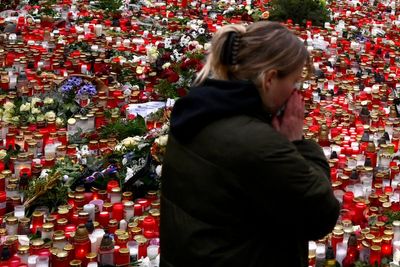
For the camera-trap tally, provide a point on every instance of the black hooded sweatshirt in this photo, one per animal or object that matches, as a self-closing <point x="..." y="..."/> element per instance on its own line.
<point x="234" y="191"/>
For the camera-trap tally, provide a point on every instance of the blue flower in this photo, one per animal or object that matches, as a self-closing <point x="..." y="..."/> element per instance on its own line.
<point x="76" y="81"/>
<point x="66" y="88"/>
<point x="87" y="89"/>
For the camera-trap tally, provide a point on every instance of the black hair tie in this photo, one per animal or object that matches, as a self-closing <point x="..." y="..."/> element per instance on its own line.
<point x="231" y="49"/>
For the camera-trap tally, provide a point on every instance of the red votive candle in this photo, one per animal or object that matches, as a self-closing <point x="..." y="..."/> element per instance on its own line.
<point x="118" y="211"/>
<point x="104" y="217"/>
<point x="375" y="256"/>
<point x="112" y="184"/>
<point x="138" y="210"/>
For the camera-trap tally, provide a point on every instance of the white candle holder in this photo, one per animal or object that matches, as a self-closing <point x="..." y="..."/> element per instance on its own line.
<point x="90" y="208"/>
<point x="341" y="252"/>
<point x="19" y="211"/>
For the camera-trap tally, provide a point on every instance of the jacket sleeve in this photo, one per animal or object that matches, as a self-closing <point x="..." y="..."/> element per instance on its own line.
<point x="300" y="171"/>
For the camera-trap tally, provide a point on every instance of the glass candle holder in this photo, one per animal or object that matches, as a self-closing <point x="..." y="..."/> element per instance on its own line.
<point x="37" y="220"/>
<point x="128" y="210"/>
<point x="19" y="211"/>
<point x="23" y="253"/>
<point x="48" y="231"/>
<point x="375" y="256"/>
<point x="12" y="225"/>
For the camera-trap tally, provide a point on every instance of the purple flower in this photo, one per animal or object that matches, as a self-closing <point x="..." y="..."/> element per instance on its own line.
<point x="87" y="89"/>
<point x="76" y="81"/>
<point x="66" y="88"/>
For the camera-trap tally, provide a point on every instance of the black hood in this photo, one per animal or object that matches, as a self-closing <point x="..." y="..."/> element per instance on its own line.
<point x="212" y="101"/>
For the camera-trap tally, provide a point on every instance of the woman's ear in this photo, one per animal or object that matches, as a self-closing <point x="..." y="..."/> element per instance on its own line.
<point x="268" y="79"/>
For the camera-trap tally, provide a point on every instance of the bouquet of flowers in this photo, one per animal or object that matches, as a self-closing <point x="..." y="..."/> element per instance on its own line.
<point x="76" y="92"/>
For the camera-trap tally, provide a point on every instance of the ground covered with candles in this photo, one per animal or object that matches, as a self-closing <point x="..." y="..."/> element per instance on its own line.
<point x="86" y="90"/>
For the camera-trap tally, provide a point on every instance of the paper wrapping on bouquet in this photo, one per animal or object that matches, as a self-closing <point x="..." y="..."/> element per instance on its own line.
<point x="11" y="15"/>
<point x="144" y="109"/>
<point x="141" y="169"/>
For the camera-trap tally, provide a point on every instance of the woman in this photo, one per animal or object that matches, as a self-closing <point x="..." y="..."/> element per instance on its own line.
<point x="236" y="155"/>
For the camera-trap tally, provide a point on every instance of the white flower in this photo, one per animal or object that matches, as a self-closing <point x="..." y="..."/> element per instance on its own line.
<point x="25" y="107"/>
<point x="7" y="118"/>
<point x="159" y="170"/>
<point x="152" y="53"/>
<point x="166" y="65"/>
<point x="129" y="174"/>
<point x="40" y="117"/>
<point x="35" y="111"/>
<point x="139" y="69"/>
<point x="31" y="118"/>
<point x="131" y="141"/>
<point x="44" y="173"/>
<point x="35" y="100"/>
<point x="119" y="148"/>
<point x="207" y="46"/>
<point x="162" y="140"/>
<point x="8" y="106"/>
<point x="65" y="178"/>
<point x="50" y="115"/>
<point x="194" y="34"/>
<point x="202" y="31"/>
<point x="15" y="119"/>
<point x="248" y="8"/>
<point x="48" y="101"/>
<point x="59" y="121"/>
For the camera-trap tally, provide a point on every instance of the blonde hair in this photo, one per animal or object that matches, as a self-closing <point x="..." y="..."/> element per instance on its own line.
<point x="263" y="46"/>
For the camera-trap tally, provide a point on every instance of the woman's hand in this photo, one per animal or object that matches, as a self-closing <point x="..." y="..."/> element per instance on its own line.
<point x="291" y="123"/>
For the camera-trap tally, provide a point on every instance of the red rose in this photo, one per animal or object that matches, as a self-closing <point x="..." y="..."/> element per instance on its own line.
<point x="173" y="77"/>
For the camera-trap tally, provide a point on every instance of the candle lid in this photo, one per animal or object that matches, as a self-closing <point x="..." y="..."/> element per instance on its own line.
<point x="24" y="249"/>
<point x="375" y="248"/>
<point x="128" y="204"/>
<point x="47" y="227"/>
<point x="116" y="190"/>
<point x="388" y="232"/>
<point x="12" y="220"/>
<point x="140" y="239"/>
<point x="80" y="189"/>
<point x="61" y="255"/>
<point x="24" y="220"/>
<point x="127" y="194"/>
<point x="63" y="211"/>
<point x="38" y="242"/>
<point x="107" y="205"/>
<point x="79" y="197"/>
<point x="75" y="263"/>
<point x="120" y="232"/>
<point x="124" y="251"/>
<point x="112" y="222"/>
<point x="81" y="234"/>
<point x="69" y="247"/>
<point x="91" y="256"/>
<point x="62" y="221"/>
<point x="154" y="212"/>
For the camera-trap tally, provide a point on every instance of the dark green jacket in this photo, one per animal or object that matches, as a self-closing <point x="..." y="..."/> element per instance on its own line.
<point x="238" y="193"/>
